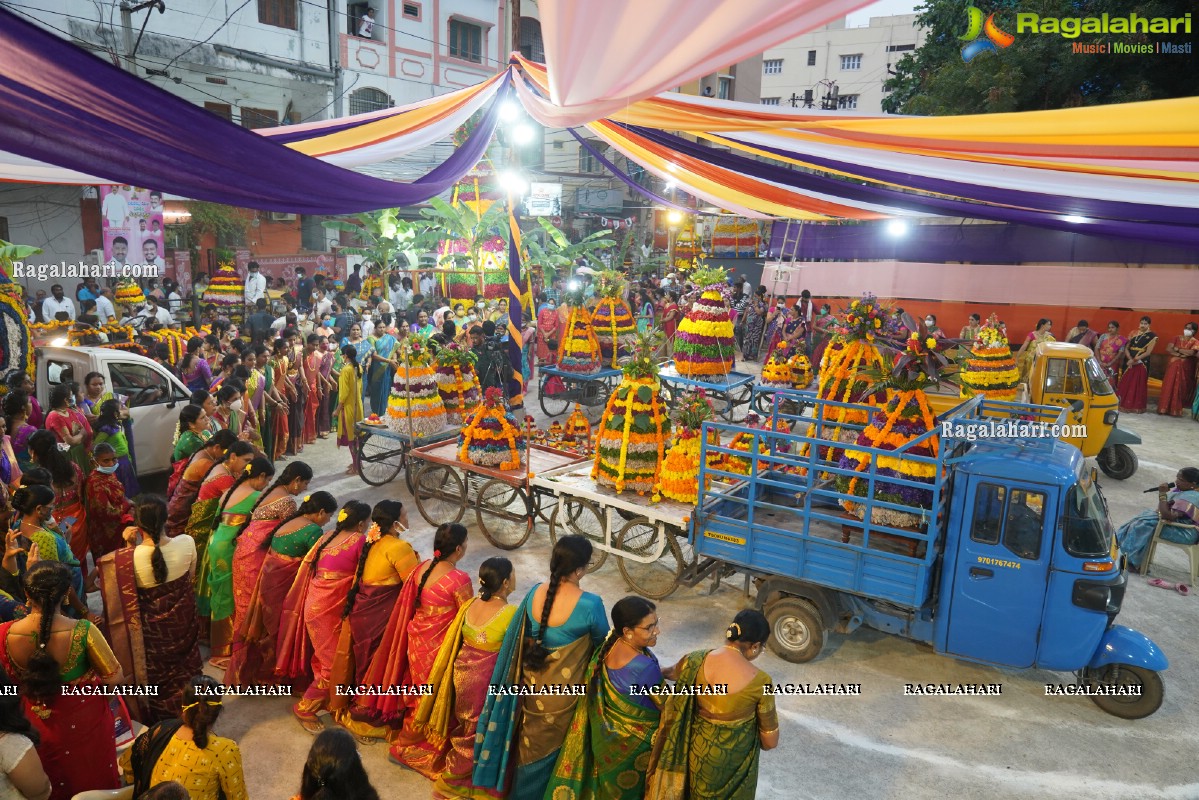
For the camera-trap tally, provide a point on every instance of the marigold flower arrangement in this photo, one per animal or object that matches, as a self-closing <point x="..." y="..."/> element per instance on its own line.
<point x="580" y="349"/>
<point x="703" y="344"/>
<point x="744" y="440"/>
<point x="777" y="372"/>
<point x="226" y="290"/>
<point x="492" y="438"/>
<point x="457" y="383"/>
<point x="415" y="405"/>
<point x="679" y="476"/>
<point x="906" y="416"/>
<point x="129" y="293"/>
<point x="990" y="369"/>
<point x="635" y="428"/>
<point x="801" y="370"/>
<point x="578" y="427"/>
<point x="612" y="319"/>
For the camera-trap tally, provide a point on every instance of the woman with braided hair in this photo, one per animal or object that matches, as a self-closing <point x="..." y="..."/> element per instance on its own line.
<point x="186" y="751"/>
<point x="190" y="472"/>
<point x="334" y="770"/>
<point x="417" y="623"/>
<point x="708" y="744"/>
<point x="312" y="611"/>
<point x="204" y="513"/>
<point x="461" y="676"/>
<point x="257" y="630"/>
<point x="67" y="482"/>
<point x="150" y="608"/>
<point x="34" y="506"/>
<point x="558" y="618"/>
<point x="216" y="572"/>
<point x="607" y="748"/>
<point x="385" y="564"/>
<point x="276" y="504"/>
<point x="46" y="651"/>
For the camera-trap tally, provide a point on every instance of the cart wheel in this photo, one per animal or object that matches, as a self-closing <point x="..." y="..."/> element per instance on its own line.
<point x="440" y="493"/>
<point x="582" y="518"/>
<point x="503" y="514"/>
<point x="738" y="406"/>
<point x="763" y="403"/>
<point x="796" y="632"/>
<point x="658" y="579"/>
<point x="379" y="461"/>
<point x="554" y="405"/>
<point x="1127" y="706"/>
<point x="543" y="504"/>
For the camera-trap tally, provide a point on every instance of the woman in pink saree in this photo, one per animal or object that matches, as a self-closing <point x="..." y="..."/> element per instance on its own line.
<point x="312" y="611"/>
<point x="428" y="605"/>
<point x="1110" y="352"/>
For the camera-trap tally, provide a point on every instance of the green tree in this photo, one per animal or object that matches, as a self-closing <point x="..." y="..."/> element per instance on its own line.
<point x="559" y="253"/>
<point x="11" y="253"/>
<point x="1038" y="71"/>
<point x="463" y="221"/>
<point x="382" y="237"/>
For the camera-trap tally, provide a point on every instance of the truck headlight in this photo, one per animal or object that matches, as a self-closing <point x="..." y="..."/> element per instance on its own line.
<point x="1110" y="416"/>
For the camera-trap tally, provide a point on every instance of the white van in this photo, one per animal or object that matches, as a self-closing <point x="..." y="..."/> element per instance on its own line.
<point x="154" y="396"/>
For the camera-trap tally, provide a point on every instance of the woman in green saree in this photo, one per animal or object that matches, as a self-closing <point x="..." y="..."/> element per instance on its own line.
<point x="708" y="745"/>
<point x="203" y="516"/>
<point x="606" y="751"/>
<point x="549" y="644"/>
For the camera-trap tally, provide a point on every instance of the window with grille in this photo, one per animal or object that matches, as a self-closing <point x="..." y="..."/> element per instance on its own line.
<point x="811" y="58"/>
<point x="365" y="100"/>
<point x="588" y="162"/>
<point x="411" y="11"/>
<point x="258" y="118"/>
<point x="770" y="101"/>
<point x="807" y="98"/>
<point x="466" y="41"/>
<point x="772" y="66"/>
<point x="851" y="62"/>
<point x="280" y="13"/>
<point x="900" y="48"/>
<point x="532" y="46"/>
<point x="847" y="101"/>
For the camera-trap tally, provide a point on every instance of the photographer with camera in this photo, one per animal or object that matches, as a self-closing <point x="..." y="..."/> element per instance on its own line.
<point x="491" y="363"/>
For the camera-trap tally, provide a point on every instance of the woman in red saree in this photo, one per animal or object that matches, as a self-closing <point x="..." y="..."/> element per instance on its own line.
<point x="257" y="630"/>
<point x="314" y="385"/>
<point x="405" y="656"/>
<point x="276" y="504"/>
<point x="77" y="747"/>
<point x="1178" y="384"/>
<point x="1134" y="383"/>
<point x="311" y="619"/>
<point x="191" y="477"/>
<point x="548" y="330"/>
<point x="67" y="483"/>
<point x="108" y="508"/>
<point x="283" y="389"/>
<point x="69" y="425"/>
<point x="150" y="610"/>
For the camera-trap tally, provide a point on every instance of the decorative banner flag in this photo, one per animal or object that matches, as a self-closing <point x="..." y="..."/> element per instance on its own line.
<point x="517" y="297"/>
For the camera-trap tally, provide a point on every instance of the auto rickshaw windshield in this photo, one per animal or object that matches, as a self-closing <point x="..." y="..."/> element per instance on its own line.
<point x="1098" y="378"/>
<point x="1086" y="529"/>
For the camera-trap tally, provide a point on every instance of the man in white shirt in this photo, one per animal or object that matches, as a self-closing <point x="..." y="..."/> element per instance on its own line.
<point x="105" y="311"/>
<point x="255" y="285"/>
<point x="323" y="304"/>
<point x="366" y="24"/>
<point x="427" y="284"/>
<point x="155" y="312"/>
<point x="57" y="302"/>
<point x="116" y="208"/>
<point x="150" y="254"/>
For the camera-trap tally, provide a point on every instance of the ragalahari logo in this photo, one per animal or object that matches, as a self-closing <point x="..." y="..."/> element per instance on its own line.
<point x="994" y="38"/>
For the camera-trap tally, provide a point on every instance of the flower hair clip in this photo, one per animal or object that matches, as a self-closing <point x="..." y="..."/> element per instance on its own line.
<point x="247" y="469"/>
<point x="373" y="534"/>
<point x="436" y="554"/>
<point x="342" y="516"/>
<point x="307" y="497"/>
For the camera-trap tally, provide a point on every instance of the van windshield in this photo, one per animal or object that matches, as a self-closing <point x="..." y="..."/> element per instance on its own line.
<point x="1098" y="378"/>
<point x="1086" y="529"/>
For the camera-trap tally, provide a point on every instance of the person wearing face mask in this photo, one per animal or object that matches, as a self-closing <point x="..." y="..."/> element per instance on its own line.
<point x="547" y="326"/>
<point x="228" y="413"/>
<point x="110" y="430"/>
<point x="930" y="323"/>
<point x="108" y="508"/>
<point x="1178" y="384"/>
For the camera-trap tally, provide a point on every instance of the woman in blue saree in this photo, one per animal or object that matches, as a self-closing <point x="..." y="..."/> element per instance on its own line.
<point x="550" y="643"/>
<point x="382" y="370"/>
<point x="1180" y="506"/>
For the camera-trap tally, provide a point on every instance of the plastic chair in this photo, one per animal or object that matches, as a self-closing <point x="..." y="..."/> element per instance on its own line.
<point x="1192" y="550"/>
<point x="106" y="794"/>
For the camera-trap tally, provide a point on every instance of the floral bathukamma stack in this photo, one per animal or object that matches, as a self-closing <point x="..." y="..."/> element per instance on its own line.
<point x="635" y="429"/>
<point x="777" y="372"/>
<point x="415" y="405"/>
<point x="744" y="441"/>
<point x="492" y="438"/>
<point x="129" y="293"/>
<point x="578" y="429"/>
<point x="703" y="345"/>
<point x="579" y="351"/>
<point x="679" y="476"/>
<point x="801" y="370"/>
<point x="226" y="291"/>
<point x="990" y="369"/>
<point x="457" y="383"/>
<point x="612" y="319"/>
<point x="905" y="417"/>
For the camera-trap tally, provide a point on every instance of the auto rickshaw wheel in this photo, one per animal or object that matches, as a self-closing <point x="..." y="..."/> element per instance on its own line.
<point x="1127" y="706"/>
<point x="796" y="630"/>
<point x="1118" y="462"/>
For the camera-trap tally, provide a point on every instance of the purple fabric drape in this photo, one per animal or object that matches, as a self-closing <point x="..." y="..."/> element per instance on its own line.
<point x="628" y="180"/>
<point x="64" y="106"/>
<point x="894" y="198"/>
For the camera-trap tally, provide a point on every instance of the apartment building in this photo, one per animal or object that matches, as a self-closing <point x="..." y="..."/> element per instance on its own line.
<point x="839" y="67"/>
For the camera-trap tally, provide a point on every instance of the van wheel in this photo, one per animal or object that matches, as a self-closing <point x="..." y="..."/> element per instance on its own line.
<point x="1118" y="462"/>
<point x="1127" y="706"/>
<point x="796" y="631"/>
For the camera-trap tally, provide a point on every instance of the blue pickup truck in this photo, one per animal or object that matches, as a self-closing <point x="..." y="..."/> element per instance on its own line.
<point x="1014" y="564"/>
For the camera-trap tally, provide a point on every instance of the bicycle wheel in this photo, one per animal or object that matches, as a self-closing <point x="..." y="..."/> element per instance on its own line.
<point x="503" y="514"/>
<point x="739" y="400"/>
<point x="582" y="518"/>
<point x="659" y="578"/>
<point x="379" y="459"/>
<point x="440" y="493"/>
<point x="554" y="405"/>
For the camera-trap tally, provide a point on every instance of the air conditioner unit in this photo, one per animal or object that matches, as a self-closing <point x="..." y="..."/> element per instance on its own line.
<point x="280" y="217"/>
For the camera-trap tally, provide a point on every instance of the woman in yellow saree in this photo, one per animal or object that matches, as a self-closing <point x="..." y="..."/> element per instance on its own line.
<point x="606" y="751"/>
<point x="708" y="744"/>
<point x="549" y="644"/>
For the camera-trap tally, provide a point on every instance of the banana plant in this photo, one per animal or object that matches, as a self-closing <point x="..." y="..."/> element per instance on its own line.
<point x="558" y="253"/>
<point x="465" y="222"/>
<point x="384" y="236"/>
<point x="11" y="253"/>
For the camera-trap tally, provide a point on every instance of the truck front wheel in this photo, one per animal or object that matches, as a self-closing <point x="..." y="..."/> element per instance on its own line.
<point x="796" y="631"/>
<point x="1129" y="706"/>
<point x="1118" y="462"/>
